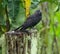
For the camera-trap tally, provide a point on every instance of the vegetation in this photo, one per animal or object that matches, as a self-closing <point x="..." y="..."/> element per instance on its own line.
<point x="14" y="12"/>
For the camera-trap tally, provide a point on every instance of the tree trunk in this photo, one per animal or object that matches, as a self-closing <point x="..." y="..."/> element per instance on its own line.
<point x="21" y="43"/>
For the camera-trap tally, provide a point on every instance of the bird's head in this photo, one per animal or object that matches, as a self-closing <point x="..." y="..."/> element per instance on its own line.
<point x="38" y="12"/>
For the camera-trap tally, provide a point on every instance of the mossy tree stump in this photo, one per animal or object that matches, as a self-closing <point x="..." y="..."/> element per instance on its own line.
<point x="20" y="42"/>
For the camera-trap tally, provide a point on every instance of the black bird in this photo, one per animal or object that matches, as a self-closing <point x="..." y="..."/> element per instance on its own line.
<point x="31" y="21"/>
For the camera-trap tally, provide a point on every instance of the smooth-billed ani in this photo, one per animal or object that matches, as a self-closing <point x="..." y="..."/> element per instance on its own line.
<point x="31" y="21"/>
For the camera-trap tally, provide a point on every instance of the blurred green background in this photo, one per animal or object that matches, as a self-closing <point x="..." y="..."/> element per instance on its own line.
<point x="13" y="14"/>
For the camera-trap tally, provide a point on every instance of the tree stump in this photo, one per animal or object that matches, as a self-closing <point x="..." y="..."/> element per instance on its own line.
<point x="20" y="42"/>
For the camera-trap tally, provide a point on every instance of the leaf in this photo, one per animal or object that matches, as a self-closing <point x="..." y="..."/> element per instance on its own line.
<point x="34" y="3"/>
<point x="2" y="20"/>
<point x="13" y="8"/>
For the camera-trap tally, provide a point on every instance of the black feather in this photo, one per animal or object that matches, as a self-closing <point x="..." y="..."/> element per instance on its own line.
<point x="31" y="21"/>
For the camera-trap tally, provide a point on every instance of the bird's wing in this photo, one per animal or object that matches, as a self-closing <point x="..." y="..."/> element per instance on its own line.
<point x="27" y="22"/>
<point x="30" y="17"/>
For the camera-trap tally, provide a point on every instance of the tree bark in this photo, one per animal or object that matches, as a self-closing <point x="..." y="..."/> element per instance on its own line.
<point x="20" y="42"/>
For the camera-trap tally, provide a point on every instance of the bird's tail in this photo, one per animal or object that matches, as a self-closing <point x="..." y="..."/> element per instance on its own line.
<point x="17" y="28"/>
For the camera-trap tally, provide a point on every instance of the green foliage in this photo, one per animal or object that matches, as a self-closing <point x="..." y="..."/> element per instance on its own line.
<point x="34" y="3"/>
<point x="57" y="23"/>
<point x="16" y="15"/>
<point x="13" y="8"/>
<point x="0" y="50"/>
